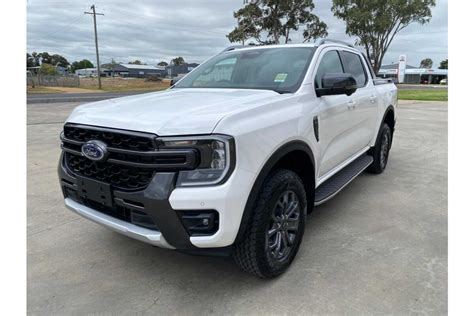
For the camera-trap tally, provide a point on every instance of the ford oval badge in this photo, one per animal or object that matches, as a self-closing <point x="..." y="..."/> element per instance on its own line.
<point x="95" y="150"/>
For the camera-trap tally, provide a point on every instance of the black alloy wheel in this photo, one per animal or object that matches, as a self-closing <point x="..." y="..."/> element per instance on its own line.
<point x="283" y="227"/>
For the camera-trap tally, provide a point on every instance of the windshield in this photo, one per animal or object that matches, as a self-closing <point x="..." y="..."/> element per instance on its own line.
<point x="278" y="69"/>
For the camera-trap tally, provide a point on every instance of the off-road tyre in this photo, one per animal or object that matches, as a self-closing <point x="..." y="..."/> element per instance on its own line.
<point x="381" y="150"/>
<point x="253" y="254"/>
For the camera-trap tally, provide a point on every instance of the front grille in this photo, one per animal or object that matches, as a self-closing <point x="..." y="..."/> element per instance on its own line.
<point x="113" y="138"/>
<point x="119" y="176"/>
<point x="133" y="157"/>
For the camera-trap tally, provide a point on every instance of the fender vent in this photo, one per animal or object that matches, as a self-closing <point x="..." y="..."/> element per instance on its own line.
<point x="316" y="127"/>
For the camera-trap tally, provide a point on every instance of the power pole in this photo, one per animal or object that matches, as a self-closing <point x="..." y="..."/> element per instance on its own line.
<point x="96" y="42"/>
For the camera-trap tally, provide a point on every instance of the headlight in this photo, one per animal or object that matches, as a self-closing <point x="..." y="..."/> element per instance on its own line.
<point x="216" y="158"/>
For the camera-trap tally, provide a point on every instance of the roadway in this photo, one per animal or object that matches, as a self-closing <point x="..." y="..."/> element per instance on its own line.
<point x="77" y="97"/>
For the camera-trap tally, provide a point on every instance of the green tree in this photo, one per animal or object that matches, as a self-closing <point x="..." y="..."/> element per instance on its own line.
<point x="163" y="63"/>
<point x="55" y="59"/>
<point x="178" y="61"/>
<point x="314" y="31"/>
<point x="249" y="24"/>
<point x="48" y="69"/>
<point x="443" y="64"/>
<point x="276" y="19"/>
<point x="426" y="63"/>
<point x="83" y="64"/>
<point x="136" y="62"/>
<point x="45" y="58"/>
<point x="36" y="58"/>
<point x="30" y="61"/>
<point x="59" y="60"/>
<point x="376" y="22"/>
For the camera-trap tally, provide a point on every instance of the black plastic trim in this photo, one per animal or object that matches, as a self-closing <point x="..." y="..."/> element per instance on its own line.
<point x="316" y="127"/>
<point x="149" y="136"/>
<point x="389" y="108"/>
<point x="189" y="154"/>
<point x="155" y="201"/>
<point x="271" y="162"/>
<point x="190" y="164"/>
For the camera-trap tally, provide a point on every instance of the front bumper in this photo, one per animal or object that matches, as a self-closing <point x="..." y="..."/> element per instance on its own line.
<point x="164" y="203"/>
<point x="149" y="236"/>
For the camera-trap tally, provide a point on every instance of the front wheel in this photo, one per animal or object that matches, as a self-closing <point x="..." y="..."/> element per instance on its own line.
<point x="381" y="150"/>
<point x="276" y="227"/>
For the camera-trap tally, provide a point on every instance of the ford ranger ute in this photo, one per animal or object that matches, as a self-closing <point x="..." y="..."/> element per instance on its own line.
<point x="232" y="158"/>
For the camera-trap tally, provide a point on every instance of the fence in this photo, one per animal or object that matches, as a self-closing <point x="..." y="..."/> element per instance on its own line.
<point x="52" y="81"/>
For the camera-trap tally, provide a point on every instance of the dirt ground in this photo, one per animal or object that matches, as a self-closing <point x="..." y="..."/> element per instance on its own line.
<point x="124" y="84"/>
<point x="90" y="85"/>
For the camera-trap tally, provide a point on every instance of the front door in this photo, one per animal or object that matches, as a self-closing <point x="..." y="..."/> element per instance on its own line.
<point x="336" y="124"/>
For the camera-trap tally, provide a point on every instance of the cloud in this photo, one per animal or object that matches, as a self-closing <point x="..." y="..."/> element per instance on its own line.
<point x="161" y="30"/>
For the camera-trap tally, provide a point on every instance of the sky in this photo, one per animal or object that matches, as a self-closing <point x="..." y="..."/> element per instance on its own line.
<point x="152" y="31"/>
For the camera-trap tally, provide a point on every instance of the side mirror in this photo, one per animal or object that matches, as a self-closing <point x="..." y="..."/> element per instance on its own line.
<point x="335" y="84"/>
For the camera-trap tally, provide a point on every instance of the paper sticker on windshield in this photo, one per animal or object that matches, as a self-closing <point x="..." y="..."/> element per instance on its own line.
<point x="281" y="77"/>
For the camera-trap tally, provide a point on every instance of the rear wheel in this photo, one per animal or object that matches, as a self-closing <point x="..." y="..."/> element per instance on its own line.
<point x="275" y="230"/>
<point x="381" y="150"/>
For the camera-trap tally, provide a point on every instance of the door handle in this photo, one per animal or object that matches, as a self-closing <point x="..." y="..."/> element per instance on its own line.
<point x="351" y="104"/>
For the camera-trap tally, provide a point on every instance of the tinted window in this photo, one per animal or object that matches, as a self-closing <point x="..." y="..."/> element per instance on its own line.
<point x="278" y="69"/>
<point x="353" y="65"/>
<point x="330" y="64"/>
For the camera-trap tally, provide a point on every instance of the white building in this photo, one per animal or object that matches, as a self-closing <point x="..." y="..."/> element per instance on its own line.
<point x="86" y="72"/>
<point x="413" y="74"/>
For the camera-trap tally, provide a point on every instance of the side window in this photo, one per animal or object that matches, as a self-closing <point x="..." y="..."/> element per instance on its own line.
<point x="330" y="64"/>
<point x="353" y="65"/>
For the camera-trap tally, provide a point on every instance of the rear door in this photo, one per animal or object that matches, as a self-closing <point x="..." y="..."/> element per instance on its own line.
<point x="363" y="103"/>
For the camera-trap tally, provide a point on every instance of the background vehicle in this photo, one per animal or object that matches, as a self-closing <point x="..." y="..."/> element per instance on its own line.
<point x="232" y="158"/>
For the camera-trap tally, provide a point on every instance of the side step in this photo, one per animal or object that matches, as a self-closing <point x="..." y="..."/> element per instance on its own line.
<point x="337" y="182"/>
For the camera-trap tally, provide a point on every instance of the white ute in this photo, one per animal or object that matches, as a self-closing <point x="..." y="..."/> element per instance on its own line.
<point x="232" y="158"/>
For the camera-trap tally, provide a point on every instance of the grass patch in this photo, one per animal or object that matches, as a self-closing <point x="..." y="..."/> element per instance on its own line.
<point x="424" y="95"/>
